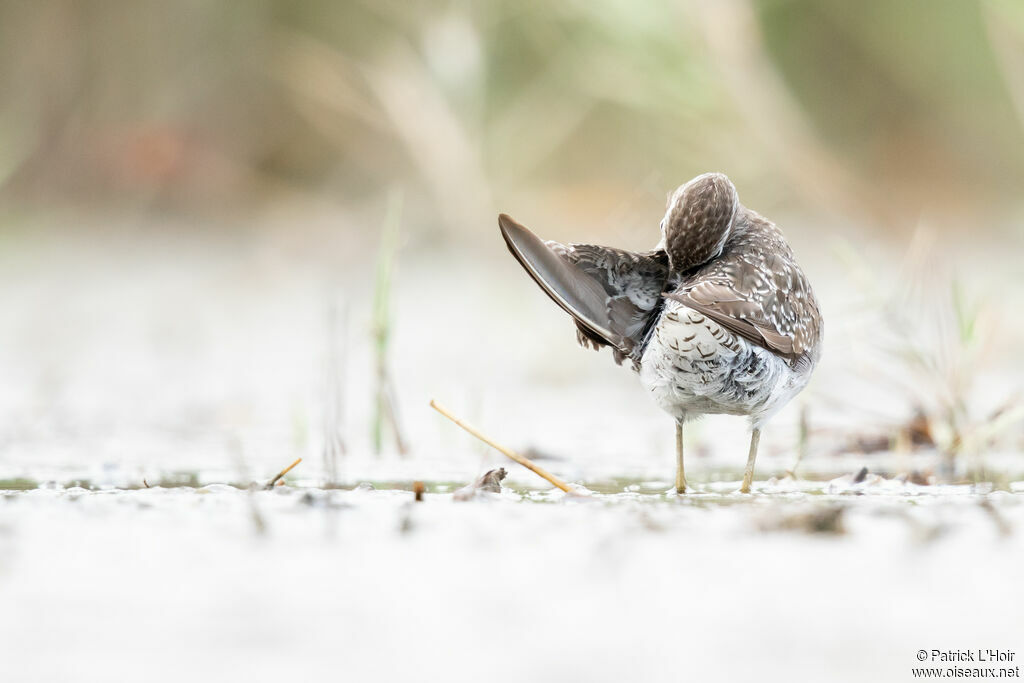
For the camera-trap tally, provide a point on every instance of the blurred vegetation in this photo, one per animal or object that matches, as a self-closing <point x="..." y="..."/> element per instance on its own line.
<point x="880" y="109"/>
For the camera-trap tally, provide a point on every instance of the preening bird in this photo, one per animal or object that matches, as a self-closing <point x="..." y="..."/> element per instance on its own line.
<point x="717" y="318"/>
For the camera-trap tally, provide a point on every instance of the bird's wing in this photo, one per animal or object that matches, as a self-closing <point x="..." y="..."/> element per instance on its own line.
<point x="611" y="293"/>
<point x="756" y="290"/>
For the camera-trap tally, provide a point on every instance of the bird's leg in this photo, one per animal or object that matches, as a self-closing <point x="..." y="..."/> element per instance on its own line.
<point x="748" y="475"/>
<point x="680" y="476"/>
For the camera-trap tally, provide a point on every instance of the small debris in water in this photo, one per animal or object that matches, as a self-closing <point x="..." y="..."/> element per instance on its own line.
<point x="280" y="475"/>
<point x="854" y="483"/>
<point x="489" y="482"/>
<point x="511" y="455"/>
<point x="820" y="520"/>
<point x="417" y="489"/>
<point x="918" y="478"/>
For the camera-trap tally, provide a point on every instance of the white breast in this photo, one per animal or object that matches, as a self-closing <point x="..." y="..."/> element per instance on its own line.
<point x="694" y="365"/>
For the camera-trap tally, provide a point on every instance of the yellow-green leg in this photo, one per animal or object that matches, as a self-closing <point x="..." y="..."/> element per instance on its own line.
<point x="680" y="475"/>
<point x="748" y="475"/>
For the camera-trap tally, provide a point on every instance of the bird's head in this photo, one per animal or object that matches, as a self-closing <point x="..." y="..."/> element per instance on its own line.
<point x="699" y="220"/>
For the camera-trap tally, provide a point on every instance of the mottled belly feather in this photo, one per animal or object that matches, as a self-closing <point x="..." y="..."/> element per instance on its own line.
<point x="691" y="364"/>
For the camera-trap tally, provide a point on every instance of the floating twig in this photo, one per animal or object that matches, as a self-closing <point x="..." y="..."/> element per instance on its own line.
<point x="509" y="453"/>
<point x="286" y="470"/>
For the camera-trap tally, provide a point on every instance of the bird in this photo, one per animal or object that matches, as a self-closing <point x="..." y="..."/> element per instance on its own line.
<point x="718" y="318"/>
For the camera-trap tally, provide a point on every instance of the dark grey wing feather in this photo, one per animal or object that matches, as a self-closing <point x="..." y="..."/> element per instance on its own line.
<point x="632" y="282"/>
<point x="578" y="294"/>
<point x="611" y="293"/>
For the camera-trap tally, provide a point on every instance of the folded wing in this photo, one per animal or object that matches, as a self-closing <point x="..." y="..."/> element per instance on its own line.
<point x="757" y="291"/>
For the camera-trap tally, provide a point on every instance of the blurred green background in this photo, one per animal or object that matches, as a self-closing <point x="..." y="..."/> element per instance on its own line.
<point x="588" y="113"/>
<point x="259" y="218"/>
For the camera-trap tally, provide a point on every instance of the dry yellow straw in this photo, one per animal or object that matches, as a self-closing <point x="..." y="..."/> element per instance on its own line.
<point x="525" y="462"/>
<point x="283" y="472"/>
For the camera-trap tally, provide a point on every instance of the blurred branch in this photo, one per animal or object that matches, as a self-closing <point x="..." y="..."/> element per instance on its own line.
<point x="335" y="377"/>
<point x="422" y="118"/>
<point x="732" y="34"/>
<point x="398" y="97"/>
<point x="321" y="75"/>
<point x="17" y="143"/>
<point x="384" y="403"/>
<point x="1005" y="25"/>
<point x="539" y="119"/>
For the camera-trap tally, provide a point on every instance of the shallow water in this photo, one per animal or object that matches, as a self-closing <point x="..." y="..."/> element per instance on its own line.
<point x="294" y="582"/>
